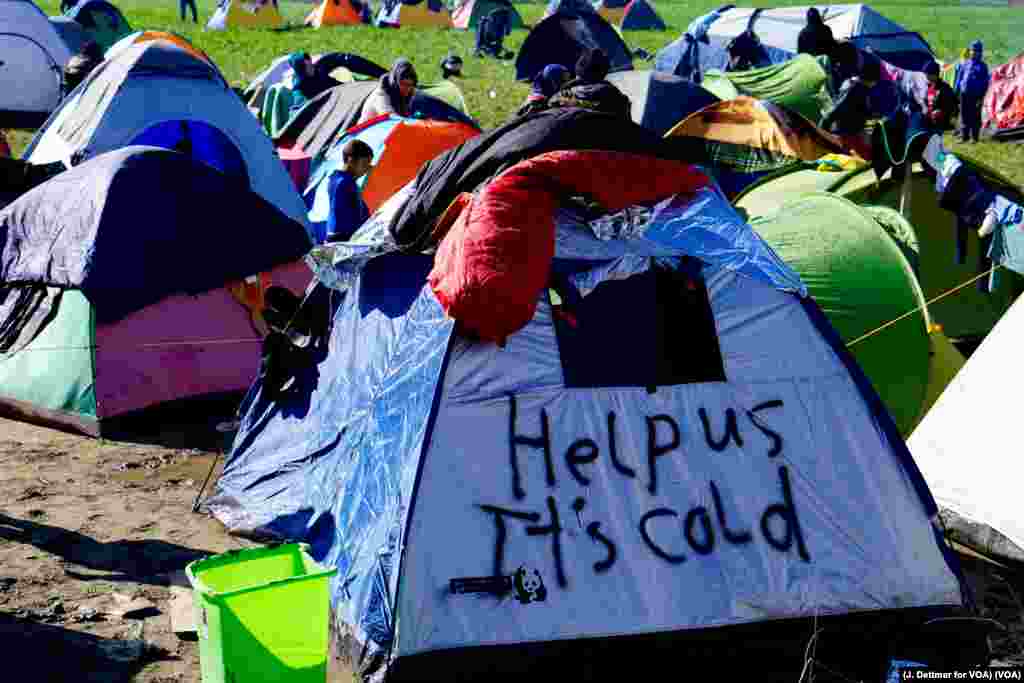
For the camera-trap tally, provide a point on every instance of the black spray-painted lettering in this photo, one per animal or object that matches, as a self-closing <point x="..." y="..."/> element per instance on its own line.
<point x="775" y="437"/>
<point x="543" y="442"/>
<point x="594" y="531"/>
<point x="655" y="548"/>
<point x="732" y="431"/>
<point x="499" y="522"/>
<point x="655" y="450"/>
<point x="555" y="529"/>
<point x="613" y="450"/>
<point x="785" y="511"/>
<point x="705" y="546"/>
<point x="734" y="537"/>
<point x="580" y="453"/>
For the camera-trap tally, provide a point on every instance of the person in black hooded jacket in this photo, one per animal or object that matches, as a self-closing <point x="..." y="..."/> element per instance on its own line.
<point x="590" y="89"/>
<point x="816" y="37"/>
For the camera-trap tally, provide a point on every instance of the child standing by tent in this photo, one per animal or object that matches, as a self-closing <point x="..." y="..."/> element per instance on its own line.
<point x="348" y="210"/>
<point x="972" y="81"/>
<point x="940" y="100"/>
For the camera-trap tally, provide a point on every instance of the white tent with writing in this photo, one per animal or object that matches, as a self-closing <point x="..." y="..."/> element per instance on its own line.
<point x="674" y="458"/>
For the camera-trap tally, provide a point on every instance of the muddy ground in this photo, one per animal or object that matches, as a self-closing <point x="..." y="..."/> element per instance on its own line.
<point x="94" y="532"/>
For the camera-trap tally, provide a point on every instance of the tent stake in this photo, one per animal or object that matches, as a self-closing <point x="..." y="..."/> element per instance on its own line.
<point x="213" y="466"/>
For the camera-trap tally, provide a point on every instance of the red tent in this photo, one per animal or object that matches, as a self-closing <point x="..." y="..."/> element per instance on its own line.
<point x="1004" y="102"/>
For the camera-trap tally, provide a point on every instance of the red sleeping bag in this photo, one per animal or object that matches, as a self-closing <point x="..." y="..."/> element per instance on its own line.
<point x="494" y="262"/>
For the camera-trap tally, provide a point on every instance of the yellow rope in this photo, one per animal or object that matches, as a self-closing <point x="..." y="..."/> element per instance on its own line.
<point x="924" y="305"/>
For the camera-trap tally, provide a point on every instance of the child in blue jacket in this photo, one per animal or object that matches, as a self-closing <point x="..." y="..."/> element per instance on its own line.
<point x="971" y="84"/>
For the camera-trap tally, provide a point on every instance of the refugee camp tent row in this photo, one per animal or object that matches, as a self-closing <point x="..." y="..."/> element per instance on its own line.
<point x="778" y="29"/>
<point x="245" y="14"/>
<point x="102" y="319"/>
<point x="562" y="37"/>
<point x="705" y="495"/>
<point x="114" y="107"/>
<point x="32" y="56"/>
<point x="468" y="14"/>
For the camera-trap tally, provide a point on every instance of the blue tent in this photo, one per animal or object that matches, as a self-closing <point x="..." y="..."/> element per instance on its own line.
<point x="562" y="37"/>
<point x="133" y="226"/>
<point x="640" y="16"/>
<point x="731" y="482"/>
<point x="703" y="45"/>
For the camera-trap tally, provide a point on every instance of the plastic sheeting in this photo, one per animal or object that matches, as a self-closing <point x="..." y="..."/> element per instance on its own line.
<point x="133" y="226"/>
<point x="336" y="464"/>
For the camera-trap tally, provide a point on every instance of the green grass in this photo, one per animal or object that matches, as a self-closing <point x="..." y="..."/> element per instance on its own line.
<point x="241" y="54"/>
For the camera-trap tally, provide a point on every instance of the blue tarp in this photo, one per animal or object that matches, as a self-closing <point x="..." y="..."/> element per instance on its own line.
<point x="133" y="226"/>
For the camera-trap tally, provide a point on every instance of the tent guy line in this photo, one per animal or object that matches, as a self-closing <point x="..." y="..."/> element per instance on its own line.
<point x="924" y="307"/>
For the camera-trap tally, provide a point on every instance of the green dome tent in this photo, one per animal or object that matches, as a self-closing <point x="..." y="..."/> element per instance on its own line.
<point x="968" y="314"/>
<point x="796" y="85"/>
<point x="862" y="280"/>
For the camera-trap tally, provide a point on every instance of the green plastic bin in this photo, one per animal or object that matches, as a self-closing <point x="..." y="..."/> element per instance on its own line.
<point x="262" y="615"/>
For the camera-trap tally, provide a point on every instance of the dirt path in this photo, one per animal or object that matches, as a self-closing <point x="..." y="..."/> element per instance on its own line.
<point x="89" y="526"/>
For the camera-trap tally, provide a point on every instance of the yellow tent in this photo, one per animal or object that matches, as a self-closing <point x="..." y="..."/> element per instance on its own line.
<point x="245" y="14"/>
<point x="414" y="13"/>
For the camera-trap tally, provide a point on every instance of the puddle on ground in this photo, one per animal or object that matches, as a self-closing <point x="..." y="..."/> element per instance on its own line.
<point x="195" y="467"/>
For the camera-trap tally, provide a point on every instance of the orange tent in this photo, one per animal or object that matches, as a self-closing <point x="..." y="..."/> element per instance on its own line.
<point x="400" y="147"/>
<point x="145" y="36"/>
<point x="333" y="13"/>
<point x="409" y="145"/>
<point x="747" y="122"/>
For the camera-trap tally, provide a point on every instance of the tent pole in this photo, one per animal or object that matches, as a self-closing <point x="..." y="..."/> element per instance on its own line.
<point x="905" y="193"/>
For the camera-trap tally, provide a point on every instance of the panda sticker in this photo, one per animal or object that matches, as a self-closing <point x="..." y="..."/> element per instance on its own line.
<point x="529" y="586"/>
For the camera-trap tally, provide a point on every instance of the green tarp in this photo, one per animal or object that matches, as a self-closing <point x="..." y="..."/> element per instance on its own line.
<point x="797" y="85"/>
<point x="861" y="280"/>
